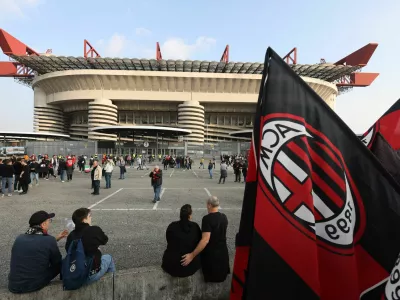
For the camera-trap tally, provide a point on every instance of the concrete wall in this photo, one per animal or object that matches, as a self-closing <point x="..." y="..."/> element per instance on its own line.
<point x="145" y="283"/>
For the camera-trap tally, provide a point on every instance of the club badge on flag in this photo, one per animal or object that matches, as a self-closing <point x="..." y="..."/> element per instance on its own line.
<point x="321" y="215"/>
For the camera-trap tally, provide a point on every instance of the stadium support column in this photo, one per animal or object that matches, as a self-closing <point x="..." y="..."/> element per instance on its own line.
<point x="47" y="118"/>
<point x="191" y="116"/>
<point x="102" y="112"/>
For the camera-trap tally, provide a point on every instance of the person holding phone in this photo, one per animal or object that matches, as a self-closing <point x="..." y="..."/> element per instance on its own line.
<point x="156" y="182"/>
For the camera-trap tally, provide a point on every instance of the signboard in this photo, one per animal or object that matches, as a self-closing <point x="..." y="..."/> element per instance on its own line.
<point x="180" y="138"/>
<point x="14" y="150"/>
<point x="146" y="144"/>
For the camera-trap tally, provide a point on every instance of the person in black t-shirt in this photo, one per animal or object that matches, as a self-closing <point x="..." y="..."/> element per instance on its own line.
<point x="182" y="237"/>
<point x="24" y="177"/>
<point x="212" y="246"/>
<point x="92" y="237"/>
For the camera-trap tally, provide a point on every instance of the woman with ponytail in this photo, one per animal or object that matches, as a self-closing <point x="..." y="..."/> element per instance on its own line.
<point x="182" y="237"/>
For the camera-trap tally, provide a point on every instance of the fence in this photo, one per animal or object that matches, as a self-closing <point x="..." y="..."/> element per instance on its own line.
<point x="91" y="147"/>
<point x="61" y="147"/>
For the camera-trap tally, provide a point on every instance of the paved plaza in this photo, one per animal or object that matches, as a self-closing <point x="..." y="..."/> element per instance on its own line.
<point x="134" y="224"/>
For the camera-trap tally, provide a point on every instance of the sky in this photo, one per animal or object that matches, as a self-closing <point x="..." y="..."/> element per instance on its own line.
<point x="200" y="30"/>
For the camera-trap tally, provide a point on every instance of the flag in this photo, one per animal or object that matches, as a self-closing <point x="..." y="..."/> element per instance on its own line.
<point x="321" y="215"/>
<point x="388" y="126"/>
<point x="383" y="139"/>
<point x="389" y="157"/>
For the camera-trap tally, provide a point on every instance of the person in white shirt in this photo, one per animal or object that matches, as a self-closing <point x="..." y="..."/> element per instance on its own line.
<point x="108" y="168"/>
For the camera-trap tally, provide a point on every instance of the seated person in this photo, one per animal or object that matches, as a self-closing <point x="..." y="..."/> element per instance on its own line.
<point x="182" y="237"/>
<point x="92" y="237"/>
<point x="212" y="247"/>
<point x="35" y="257"/>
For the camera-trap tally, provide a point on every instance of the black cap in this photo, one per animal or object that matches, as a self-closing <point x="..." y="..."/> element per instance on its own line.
<point x="39" y="217"/>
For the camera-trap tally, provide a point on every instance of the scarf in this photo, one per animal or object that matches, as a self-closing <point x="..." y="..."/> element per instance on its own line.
<point x="36" y="229"/>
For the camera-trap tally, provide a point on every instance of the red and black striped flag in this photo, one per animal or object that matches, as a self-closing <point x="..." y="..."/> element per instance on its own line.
<point x="388" y="126"/>
<point x="383" y="139"/>
<point x="321" y="215"/>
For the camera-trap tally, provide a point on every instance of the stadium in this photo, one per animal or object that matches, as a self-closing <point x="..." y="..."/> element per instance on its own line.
<point x="74" y="95"/>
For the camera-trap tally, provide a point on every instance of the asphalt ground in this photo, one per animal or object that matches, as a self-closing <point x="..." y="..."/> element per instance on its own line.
<point x="134" y="224"/>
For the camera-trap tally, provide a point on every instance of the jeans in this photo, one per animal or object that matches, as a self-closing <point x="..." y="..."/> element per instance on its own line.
<point x="210" y="171"/>
<point x="108" y="180"/>
<point x="4" y="182"/>
<point x="17" y="185"/>
<point x="157" y="190"/>
<point x="62" y="175"/>
<point x="122" y="172"/>
<point x="34" y="176"/>
<point x="107" y="266"/>
<point x="237" y="177"/>
<point x="96" y="187"/>
<point x="178" y="165"/>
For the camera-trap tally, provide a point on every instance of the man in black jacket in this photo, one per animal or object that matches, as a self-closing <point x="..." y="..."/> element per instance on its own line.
<point x="92" y="237"/>
<point x="24" y="177"/>
<point x="35" y="257"/>
<point x="17" y="171"/>
<point x="1" y="173"/>
<point x="156" y="182"/>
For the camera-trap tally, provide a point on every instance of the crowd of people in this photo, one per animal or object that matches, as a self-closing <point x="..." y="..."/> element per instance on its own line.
<point x="18" y="174"/>
<point x="189" y="248"/>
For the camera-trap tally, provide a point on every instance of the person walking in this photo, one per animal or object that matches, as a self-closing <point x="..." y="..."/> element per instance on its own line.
<point x="122" y="168"/>
<point x="156" y="182"/>
<point x="17" y="173"/>
<point x="139" y="161"/>
<point x="62" y="169"/>
<point x="70" y="168"/>
<point x="108" y="169"/>
<point x="224" y="172"/>
<point x="24" y="177"/>
<point x="34" y="171"/>
<point x="210" y="169"/>
<point x="244" y="171"/>
<point x="201" y="163"/>
<point x="97" y="172"/>
<point x="182" y="237"/>
<point x="1" y="173"/>
<point x="212" y="246"/>
<point x="7" y="178"/>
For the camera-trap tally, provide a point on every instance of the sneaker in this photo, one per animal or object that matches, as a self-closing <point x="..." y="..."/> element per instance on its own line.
<point x="63" y="181"/>
<point x="15" y="191"/>
<point x="29" y="186"/>
<point x="2" y="195"/>
<point x="20" y="191"/>
<point x="9" y="195"/>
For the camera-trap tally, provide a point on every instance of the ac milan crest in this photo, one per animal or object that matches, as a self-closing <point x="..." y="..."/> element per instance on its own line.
<point x="310" y="184"/>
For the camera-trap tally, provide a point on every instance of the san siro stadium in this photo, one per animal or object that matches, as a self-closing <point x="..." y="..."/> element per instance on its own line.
<point x="73" y="95"/>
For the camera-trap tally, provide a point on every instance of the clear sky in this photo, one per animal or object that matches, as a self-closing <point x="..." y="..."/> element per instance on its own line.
<point x="329" y="29"/>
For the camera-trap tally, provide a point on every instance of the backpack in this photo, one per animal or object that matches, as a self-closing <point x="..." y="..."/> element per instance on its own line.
<point x="69" y="163"/>
<point x="75" y="266"/>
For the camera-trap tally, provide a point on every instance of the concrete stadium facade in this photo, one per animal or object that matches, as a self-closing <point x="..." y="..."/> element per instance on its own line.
<point x="209" y="104"/>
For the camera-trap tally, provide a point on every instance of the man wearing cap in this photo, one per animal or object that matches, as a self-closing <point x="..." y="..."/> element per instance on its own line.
<point x="35" y="257"/>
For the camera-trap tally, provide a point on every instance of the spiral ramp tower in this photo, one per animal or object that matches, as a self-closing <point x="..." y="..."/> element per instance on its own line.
<point x="191" y="116"/>
<point x="102" y="112"/>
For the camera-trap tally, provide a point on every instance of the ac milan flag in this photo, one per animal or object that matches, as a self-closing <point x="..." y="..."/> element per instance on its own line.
<point x="321" y="215"/>
<point x="383" y="139"/>
<point x="388" y="126"/>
